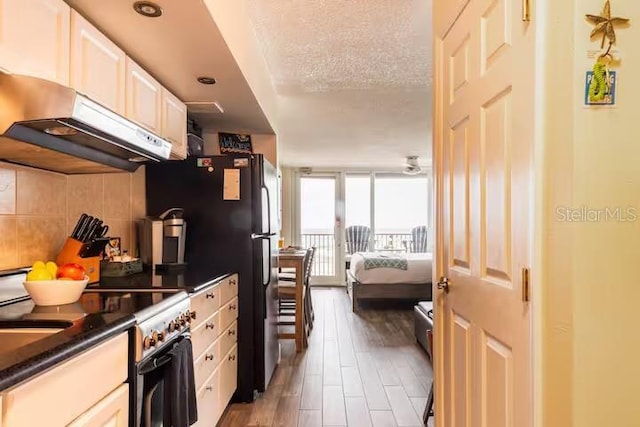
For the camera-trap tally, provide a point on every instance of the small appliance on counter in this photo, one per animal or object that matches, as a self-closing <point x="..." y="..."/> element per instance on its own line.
<point x="85" y="246"/>
<point x="162" y="240"/>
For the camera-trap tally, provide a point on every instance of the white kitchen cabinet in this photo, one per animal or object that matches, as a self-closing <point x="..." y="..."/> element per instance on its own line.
<point x="112" y="411"/>
<point x="228" y="379"/>
<point x="214" y="337"/>
<point x="63" y="393"/>
<point x="144" y="97"/>
<point x="174" y="124"/>
<point x="98" y="66"/>
<point x="34" y="38"/>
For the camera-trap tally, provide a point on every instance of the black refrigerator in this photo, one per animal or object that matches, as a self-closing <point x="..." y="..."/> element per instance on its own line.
<point x="232" y="213"/>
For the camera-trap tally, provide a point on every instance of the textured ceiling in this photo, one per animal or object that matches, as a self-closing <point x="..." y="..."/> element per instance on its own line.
<point x="353" y="78"/>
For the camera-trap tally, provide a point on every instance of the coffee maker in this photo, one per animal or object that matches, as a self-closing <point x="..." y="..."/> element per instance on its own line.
<point x="162" y="239"/>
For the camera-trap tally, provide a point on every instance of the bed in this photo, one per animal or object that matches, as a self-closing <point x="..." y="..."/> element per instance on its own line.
<point x="374" y="275"/>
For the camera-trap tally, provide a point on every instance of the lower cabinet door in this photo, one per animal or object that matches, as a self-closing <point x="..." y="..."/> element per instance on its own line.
<point x="112" y="411"/>
<point x="208" y="411"/>
<point x="228" y="378"/>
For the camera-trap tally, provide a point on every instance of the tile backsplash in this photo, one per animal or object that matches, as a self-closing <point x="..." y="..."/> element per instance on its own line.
<point x="39" y="209"/>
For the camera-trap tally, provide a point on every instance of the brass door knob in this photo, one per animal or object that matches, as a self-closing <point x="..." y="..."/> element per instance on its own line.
<point x="443" y="284"/>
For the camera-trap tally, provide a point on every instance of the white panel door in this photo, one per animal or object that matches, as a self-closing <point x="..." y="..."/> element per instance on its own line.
<point x="97" y="65"/>
<point x="174" y="124"/>
<point x="34" y="38"/>
<point x="484" y="138"/>
<point x="144" y="97"/>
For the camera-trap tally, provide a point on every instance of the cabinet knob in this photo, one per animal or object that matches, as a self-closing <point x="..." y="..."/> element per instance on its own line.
<point x="210" y="295"/>
<point x="233" y="282"/>
<point x="208" y="357"/>
<point x="210" y="325"/>
<point x="232" y="307"/>
<point x="231" y="332"/>
<point x="209" y="388"/>
<point x="232" y="357"/>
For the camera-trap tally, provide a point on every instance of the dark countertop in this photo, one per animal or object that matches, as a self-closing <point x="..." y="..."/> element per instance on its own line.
<point x="190" y="279"/>
<point x="86" y="331"/>
<point x="97" y="316"/>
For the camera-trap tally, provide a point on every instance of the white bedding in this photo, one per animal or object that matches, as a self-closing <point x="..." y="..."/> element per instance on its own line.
<point x="418" y="270"/>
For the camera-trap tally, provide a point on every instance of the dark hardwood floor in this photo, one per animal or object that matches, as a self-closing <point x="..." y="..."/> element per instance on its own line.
<point x="360" y="370"/>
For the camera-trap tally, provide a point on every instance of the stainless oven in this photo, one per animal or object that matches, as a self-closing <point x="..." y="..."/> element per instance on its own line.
<point x="151" y="386"/>
<point x="159" y="329"/>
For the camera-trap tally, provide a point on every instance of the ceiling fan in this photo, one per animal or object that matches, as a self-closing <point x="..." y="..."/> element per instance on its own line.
<point x="412" y="167"/>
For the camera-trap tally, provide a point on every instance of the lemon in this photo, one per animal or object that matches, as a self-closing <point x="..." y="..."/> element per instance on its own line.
<point x="52" y="268"/>
<point x="38" y="274"/>
<point x="38" y="264"/>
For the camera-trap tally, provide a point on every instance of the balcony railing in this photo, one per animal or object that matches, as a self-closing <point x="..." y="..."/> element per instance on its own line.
<point x="324" y="260"/>
<point x="324" y="263"/>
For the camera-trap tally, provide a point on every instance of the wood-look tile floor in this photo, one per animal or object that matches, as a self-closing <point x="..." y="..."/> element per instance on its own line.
<point x="359" y="370"/>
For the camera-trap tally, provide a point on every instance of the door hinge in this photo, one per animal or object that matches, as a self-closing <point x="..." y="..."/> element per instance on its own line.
<point x="526" y="285"/>
<point x="526" y="10"/>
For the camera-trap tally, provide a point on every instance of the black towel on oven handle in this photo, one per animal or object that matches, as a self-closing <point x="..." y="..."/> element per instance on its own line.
<point x="180" y="387"/>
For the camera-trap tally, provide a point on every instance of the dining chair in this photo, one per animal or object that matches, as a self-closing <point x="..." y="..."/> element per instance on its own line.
<point x="287" y="305"/>
<point x="287" y="295"/>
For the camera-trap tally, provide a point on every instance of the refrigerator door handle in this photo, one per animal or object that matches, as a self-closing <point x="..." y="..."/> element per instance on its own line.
<point x="255" y="236"/>
<point x="266" y="189"/>
<point x="270" y="267"/>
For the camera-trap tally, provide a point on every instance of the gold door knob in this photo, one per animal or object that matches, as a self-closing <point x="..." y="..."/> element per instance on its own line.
<point x="443" y="284"/>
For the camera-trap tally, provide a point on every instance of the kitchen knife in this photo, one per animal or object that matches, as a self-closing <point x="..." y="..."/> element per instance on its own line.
<point x="90" y="229"/>
<point x="83" y="227"/>
<point x="95" y="231"/>
<point x="74" y="234"/>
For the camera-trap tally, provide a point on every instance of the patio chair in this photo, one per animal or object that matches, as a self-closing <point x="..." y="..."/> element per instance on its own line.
<point x="357" y="238"/>
<point x="419" y="239"/>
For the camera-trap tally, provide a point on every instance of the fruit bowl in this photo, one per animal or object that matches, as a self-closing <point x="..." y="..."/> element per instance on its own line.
<point x="55" y="292"/>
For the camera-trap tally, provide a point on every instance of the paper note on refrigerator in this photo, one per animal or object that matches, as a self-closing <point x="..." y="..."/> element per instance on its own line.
<point x="231" y="184"/>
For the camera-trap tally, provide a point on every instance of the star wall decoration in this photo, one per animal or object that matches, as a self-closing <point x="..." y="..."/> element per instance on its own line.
<point x="605" y="24"/>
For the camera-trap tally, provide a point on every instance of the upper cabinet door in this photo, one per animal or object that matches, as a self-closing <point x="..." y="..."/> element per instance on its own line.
<point x="144" y="98"/>
<point x="174" y="124"/>
<point x="97" y="65"/>
<point x="34" y="38"/>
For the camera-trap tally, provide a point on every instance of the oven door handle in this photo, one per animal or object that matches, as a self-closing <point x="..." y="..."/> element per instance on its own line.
<point x="154" y="364"/>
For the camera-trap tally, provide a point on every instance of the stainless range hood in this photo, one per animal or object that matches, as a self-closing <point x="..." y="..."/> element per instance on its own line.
<point x="49" y="126"/>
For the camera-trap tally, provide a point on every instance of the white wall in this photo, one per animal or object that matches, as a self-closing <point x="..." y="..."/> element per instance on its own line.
<point x="590" y="271"/>
<point x="288" y="208"/>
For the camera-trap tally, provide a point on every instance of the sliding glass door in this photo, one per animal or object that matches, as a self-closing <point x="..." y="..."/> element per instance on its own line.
<point x="341" y="213"/>
<point x="401" y="205"/>
<point x="319" y="225"/>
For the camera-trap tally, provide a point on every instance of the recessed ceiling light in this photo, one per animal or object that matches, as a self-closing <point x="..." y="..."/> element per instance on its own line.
<point x="147" y="8"/>
<point x="207" y="80"/>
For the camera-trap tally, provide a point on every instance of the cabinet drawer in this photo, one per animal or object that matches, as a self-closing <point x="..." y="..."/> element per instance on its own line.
<point x="112" y="411"/>
<point x="205" y="334"/>
<point x="206" y="363"/>
<point x="204" y="304"/>
<point x="228" y="378"/>
<point x="228" y="338"/>
<point x="207" y="400"/>
<point x="228" y="313"/>
<point x="228" y="288"/>
<point x="74" y="385"/>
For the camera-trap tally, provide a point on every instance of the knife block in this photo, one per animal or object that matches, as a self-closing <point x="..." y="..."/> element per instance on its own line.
<point x="70" y="253"/>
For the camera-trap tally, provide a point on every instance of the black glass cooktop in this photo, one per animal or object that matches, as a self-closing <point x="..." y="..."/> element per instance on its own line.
<point x="121" y="302"/>
<point x="190" y="280"/>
